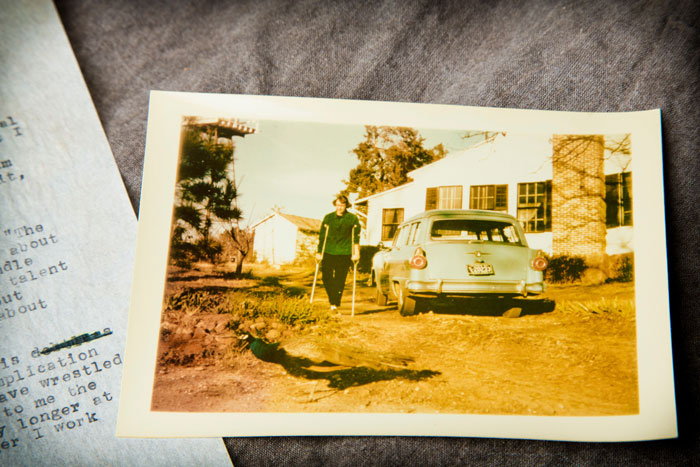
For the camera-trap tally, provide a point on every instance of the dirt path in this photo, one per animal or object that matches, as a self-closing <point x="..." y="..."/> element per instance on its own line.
<point x="464" y="360"/>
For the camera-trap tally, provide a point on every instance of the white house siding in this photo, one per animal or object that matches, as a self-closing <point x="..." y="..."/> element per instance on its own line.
<point x="510" y="160"/>
<point x="275" y="241"/>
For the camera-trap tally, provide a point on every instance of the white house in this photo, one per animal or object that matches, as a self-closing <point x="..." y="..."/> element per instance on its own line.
<point x="284" y="238"/>
<point x="510" y="173"/>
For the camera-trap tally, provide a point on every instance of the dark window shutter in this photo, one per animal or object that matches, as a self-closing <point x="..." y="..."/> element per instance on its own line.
<point x="431" y="198"/>
<point x="612" y="200"/>
<point x="627" y="198"/>
<point x="501" y="203"/>
<point x="548" y="206"/>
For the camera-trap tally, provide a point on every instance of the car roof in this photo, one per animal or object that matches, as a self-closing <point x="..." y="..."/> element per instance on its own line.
<point x="462" y="213"/>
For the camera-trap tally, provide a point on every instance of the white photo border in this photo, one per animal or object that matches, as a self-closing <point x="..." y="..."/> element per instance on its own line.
<point x="657" y="414"/>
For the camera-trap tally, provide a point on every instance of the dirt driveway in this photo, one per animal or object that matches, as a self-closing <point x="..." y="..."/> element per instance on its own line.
<point x="577" y="358"/>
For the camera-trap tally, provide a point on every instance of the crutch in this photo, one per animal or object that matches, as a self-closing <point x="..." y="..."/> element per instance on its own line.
<point x="323" y="250"/>
<point x="354" y="271"/>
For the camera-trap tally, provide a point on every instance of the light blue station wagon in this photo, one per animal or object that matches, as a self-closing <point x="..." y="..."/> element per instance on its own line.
<point x="457" y="253"/>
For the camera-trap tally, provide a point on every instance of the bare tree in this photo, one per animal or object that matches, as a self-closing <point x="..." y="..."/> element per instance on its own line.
<point x="237" y="244"/>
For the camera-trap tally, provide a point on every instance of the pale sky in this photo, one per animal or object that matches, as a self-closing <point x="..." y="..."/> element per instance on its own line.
<point x="300" y="166"/>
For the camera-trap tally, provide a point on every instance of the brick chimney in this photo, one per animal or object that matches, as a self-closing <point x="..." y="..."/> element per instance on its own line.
<point x="578" y="196"/>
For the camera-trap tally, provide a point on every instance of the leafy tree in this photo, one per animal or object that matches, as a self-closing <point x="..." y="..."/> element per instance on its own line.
<point x="386" y="156"/>
<point x="205" y="195"/>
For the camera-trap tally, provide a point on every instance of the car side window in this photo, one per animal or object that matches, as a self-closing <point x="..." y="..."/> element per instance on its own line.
<point x="402" y="236"/>
<point x="412" y="233"/>
<point x="415" y="233"/>
<point x="396" y="237"/>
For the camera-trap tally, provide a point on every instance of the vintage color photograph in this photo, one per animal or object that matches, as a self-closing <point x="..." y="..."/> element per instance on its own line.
<point x="348" y="268"/>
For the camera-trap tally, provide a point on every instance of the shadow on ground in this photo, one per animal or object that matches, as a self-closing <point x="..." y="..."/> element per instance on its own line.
<point x="512" y="307"/>
<point x="339" y="374"/>
<point x="188" y="277"/>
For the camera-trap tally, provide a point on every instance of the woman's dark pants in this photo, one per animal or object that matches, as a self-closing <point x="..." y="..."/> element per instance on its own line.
<point x="334" y="270"/>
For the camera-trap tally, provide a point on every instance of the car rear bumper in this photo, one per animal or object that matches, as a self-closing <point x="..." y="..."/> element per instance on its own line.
<point x="459" y="287"/>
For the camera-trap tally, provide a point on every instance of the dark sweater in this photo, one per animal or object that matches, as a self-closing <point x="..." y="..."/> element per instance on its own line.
<point x="340" y="233"/>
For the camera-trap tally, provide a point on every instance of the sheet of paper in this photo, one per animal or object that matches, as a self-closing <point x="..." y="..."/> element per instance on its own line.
<point x="591" y="362"/>
<point x="67" y="236"/>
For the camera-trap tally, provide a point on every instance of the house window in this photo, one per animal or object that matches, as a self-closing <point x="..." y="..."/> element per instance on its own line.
<point x="443" y="197"/>
<point x="535" y="206"/>
<point x="489" y="197"/>
<point x="618" y="199"/>
<point x="391" y="218"/>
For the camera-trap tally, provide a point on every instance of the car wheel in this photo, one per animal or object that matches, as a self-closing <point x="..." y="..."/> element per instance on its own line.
<point x="381" y="298"/>
<point x="407" y="306"/>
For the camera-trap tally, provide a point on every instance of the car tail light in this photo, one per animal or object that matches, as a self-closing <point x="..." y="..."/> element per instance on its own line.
<point x="540" y="262"/>
<point x="419" y="261"/>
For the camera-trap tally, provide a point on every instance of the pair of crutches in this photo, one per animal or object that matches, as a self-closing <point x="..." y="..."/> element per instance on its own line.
<point x="354" y="268"/>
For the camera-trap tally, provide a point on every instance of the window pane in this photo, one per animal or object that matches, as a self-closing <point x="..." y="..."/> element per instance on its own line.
<point x="472" y="229"/>
<point x="391" y="218"/>
<point x="501" y="198"/>
<point x="535" y="206"/>
<point x="403" y="236"/>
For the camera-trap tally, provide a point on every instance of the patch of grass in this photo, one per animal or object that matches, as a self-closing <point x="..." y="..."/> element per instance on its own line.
<point x="288" y="308"/>
<point x="192" y="301"/>
<point x="605" y="306"/>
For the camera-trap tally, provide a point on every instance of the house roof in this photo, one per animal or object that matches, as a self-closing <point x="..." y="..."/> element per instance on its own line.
<point x="382" y="193"/>
<point x="304" y="223"/>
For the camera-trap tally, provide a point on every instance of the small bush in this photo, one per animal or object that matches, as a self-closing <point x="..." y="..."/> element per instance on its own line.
<point x="366" y="254"/>
<point x="565" y="268"/>
<point x="621" y="267"/>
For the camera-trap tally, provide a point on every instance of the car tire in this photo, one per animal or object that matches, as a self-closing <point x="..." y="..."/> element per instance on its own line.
<point x="407" y="306"/>
<point x="381" y="298"/>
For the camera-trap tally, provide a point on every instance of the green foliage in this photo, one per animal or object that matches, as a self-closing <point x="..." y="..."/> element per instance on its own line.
<point x="205" y="194"/>
<point x="182" y="252"/>
<point x="289" y="307"/>
<point x="565" y="268"/>
<point x="386" y="156"/>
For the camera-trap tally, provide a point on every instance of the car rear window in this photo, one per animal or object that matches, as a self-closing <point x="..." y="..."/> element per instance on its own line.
<point x="475" y="230"/>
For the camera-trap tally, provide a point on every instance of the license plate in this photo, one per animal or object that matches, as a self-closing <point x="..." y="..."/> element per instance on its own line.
<point x="480" y="269"/>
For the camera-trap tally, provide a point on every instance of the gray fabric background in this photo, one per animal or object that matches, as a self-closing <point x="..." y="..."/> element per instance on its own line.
<point x="558" y="55"/>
